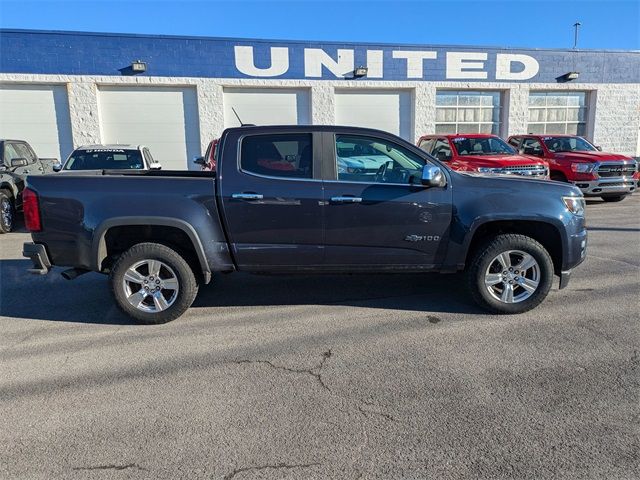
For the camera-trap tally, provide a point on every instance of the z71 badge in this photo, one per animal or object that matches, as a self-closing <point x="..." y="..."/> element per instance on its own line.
<point x="422" y="238"/>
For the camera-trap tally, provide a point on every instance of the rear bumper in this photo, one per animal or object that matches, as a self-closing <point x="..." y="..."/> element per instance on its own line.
<point x="38" y="255"/>
<point x="604" y="186"/>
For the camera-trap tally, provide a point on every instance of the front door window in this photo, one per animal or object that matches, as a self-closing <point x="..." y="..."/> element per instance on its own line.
<point x="372" y="160"/>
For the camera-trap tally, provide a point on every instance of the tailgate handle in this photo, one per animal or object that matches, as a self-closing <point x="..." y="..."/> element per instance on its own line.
<point x="247" y="196"/>
<point x="346" y="199"/>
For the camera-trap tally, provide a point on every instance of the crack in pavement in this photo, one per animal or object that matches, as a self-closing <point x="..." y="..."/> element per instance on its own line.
<point x="315" y="372"/>
<point x="283" y="465"/>
<point x="367" y="413"/>
<point x="112" y="467"/>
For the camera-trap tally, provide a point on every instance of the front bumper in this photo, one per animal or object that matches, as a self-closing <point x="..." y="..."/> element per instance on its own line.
<point x="575" y="255"/>
<point x="604" y="186"/>
<point x="38" y="255"/>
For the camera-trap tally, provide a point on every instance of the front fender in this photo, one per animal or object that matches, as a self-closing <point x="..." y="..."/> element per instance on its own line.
<point x="482" y="200"/>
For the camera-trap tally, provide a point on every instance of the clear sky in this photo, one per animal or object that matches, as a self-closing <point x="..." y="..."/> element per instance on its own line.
<point x="606" y="24"/>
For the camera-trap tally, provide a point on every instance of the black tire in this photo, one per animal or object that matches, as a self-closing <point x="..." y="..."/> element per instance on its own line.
<point x="613" y="198"/>
<point x="178" y="269"/>
<point x="483" y="258"/>
<point x="7" y="212"/>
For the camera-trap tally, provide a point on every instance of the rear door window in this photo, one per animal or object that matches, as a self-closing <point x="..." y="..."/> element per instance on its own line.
<point x="287" y="155"/>
<point x="514" y="142"/>
<point x="25" y="152"/>
<point x="442" y="150"/>
<point x="10" y="152"/>
<point x="531" y="146"/>
<point x="426" y="144"/>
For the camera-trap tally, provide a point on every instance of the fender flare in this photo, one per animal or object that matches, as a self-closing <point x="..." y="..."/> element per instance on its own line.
<point x="484" y="220"/>
<point x="99" y="247"/>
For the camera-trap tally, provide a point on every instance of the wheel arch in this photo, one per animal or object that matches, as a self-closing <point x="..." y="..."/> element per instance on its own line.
<point x="11" y="187"/>
<point x="100" y="244"/>
<point x="545" y="232"/>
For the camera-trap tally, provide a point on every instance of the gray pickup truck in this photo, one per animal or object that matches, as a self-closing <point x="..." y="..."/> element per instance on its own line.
<point x="18" y="160"/>
<point x="305" y="199"/>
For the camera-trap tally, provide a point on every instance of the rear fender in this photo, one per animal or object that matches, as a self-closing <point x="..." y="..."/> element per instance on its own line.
<point x="99" y="247"/>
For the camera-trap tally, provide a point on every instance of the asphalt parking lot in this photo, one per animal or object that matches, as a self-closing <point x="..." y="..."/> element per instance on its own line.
<point x="327" y="377"/>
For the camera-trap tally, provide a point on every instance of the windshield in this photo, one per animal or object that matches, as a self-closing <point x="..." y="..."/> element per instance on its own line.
<point x="482" y="146"/>
<point x="568" y="144"/>
<point x="105" y="159"/>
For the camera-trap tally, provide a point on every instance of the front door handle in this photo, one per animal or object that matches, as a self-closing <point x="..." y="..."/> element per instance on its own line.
<point x="346" y="199"/>
<point x="247" y="196"/>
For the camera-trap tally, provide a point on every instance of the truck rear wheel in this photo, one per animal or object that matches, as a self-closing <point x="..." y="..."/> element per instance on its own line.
<point x="509" y="274"/>
<point x="152" y="283"/>
<point x="613" y="198"/>
<point x="7" y="212"/>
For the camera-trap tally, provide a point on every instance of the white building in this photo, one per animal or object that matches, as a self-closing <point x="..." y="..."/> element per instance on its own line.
<point x="59" y="90"/>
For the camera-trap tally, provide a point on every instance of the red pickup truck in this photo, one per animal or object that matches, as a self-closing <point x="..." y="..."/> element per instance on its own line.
<point x="208" y="160"/>
<point x="573" y="159"/>
<point x="482" y="153"/>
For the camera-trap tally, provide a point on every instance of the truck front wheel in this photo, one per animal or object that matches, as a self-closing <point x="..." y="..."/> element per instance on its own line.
<point x="510" y="273"/>
<point x="152" y="283"/>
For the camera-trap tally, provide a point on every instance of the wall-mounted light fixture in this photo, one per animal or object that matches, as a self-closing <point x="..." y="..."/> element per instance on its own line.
<point x="138" y="66"/>
<point x="570" y="76"/>
<point x="360" y="72"/>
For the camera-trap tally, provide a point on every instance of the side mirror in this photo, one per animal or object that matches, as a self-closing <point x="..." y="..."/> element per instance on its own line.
<point x="19" y="162"/>
<point x="599" y="148"/>
<point x="155" y="166"/>
<point x="433" y="176"/>
<point x="199" y="161"/>
<point x="57" y="167"/>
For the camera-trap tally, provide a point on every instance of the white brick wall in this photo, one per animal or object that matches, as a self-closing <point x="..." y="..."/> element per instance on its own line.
<point x="614" y="114"/>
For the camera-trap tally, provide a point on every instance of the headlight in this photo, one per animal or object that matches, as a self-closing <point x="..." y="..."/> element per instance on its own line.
<point x="583" y="167"/>
<point x="575" y="205"/>
<point x="489" y="170"/>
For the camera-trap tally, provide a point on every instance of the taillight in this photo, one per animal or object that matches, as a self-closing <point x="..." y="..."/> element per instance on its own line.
<point x="31" y="208"/>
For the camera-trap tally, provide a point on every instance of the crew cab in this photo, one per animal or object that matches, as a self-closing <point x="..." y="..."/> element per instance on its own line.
<point x="279" y="202"/>
<point x="482" y="153"/>
<point x="110" y="157"/>
<point x="18" y="160"/>
<point x="573" y="159"/>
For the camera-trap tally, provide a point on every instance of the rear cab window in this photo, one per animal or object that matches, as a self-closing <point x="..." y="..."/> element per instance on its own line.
<point x="105" y="159"/>
<point x="285" y="155"/>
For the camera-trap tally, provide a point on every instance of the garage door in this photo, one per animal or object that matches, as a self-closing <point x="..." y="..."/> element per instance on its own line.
<point x="388" y="110"/>
<point x="38" y="114"/>
<point x="267" y="106"/>
<point x="165" y="119"/>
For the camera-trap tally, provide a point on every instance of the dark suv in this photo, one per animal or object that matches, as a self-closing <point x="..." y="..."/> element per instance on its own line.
<point x="18" y="161"/>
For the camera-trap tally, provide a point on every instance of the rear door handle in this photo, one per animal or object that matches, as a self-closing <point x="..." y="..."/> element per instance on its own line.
<point x="346" y="199"/>
<point x="247" y="196"/>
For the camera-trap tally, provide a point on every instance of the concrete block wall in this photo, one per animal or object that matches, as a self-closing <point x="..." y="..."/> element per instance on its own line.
<point x="614" y="113"/>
